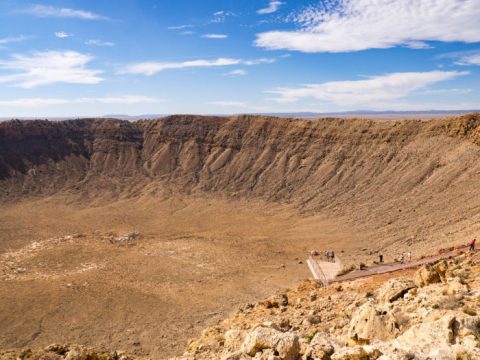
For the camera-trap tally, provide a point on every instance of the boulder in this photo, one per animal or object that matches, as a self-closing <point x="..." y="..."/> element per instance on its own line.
<point x="356" y="353"/>
<point x="285" y="344"/>
<point x="425" y="276"/>
<point x="371" y="323"/>
<point x="441" y="268"/>
<point x="321" y="347"/>
<point x="394" y="289"/>
<point x="233" y="340"/>
<point x="430" y="338"/>
<point x="431" y="274"/>
<point x="313" y="319"/>
<point x="276" y="301"/>
<point x="456" y="287"/>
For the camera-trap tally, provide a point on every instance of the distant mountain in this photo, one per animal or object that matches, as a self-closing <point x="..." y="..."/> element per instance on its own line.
<point x="430" y="114"/>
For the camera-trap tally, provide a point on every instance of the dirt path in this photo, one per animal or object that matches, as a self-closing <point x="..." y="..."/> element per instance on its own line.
<point x="396" y="266"/>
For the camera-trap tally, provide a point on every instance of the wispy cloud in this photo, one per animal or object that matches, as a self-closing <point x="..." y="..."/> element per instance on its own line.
<point x="272" y="7"/>
<point x="221" y="16"/>
<point x="473" y="59"/>
<point x="62" y="34"/>
<point x="149" y="68"/>
<point x="13" y="39"/>
<point x="39" y="102"/>
<point x="237" y="73"/>
<point x="51" y="11"/>
<point x="152" y="67"/>
<point x="48" y="67"/>
<point x="468" y="58"/>
<point x="215" y="36"/>
<point x="374" y="92"/>
<point x="260" y="61"/>
<point x="354" y="25"/>
<point x="99" y="43"/>
<point x="180" y="27"/>
<point x="462" y="58"/>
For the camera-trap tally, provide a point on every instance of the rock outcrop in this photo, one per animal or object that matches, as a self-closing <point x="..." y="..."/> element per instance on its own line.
<point x="396" y="321"/>
<point x="390" y="319"/>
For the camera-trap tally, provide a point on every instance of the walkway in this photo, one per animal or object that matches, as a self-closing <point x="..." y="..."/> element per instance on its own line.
<point x="396" y="266"/>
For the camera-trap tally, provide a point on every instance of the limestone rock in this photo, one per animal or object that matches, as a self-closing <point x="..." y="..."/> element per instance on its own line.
<point x="456" y="287"/>
<point x="276" y="301"/>
<point x="236" y="356"/>
<point x="426" y="275"/>
<point x="469" y="326"/>
<point x="356" y="353"/>
<point x="321" y="347"/>
<point x="267" y="354"/>
<point x="285" y="344"/>
<point x="431" y="274"/>
<point x="313" y="319"/>
<point x="441" y="268"/>
<point x="372" y="323"/>
<point x="394" y="289"/>
<point x="430" y="338"/>
<point x="233" y="340"/>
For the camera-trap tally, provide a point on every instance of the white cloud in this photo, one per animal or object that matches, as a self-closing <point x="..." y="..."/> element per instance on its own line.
<point x="149" y="68"/>
<point x="12" y="39"/>
<point x="451" y="91"/>
<point x="48" y="67"/>
<point x="180" y="27"/>
<point x="237" y="73"/>
<point x="152" y="67"/>
<point x="260" y="61"/>
<point x="50" y="11"/>
<point x="469" y="59"/>
<point x="62" y="34"/>
<point x="39" y="102"/>
<point x="99" y="43"/>
<point x="272" y="7"/>
<point x="372" y="93"/>
<point x="221" y="16"/>
<point x="354" y="25"/>
<point x="215" y="36"/>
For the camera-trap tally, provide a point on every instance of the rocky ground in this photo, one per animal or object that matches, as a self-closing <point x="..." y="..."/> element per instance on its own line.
<point x="429" y="313"/>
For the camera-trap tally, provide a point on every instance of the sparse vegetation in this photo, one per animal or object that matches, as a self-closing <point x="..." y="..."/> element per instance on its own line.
<point x="469" y="311"/>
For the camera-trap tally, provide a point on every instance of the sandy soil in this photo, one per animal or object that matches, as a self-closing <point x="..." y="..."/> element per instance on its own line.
<point x="197" y="260"/>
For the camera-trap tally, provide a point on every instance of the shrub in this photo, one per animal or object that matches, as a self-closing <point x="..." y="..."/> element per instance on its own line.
<point x="469" y="310"/>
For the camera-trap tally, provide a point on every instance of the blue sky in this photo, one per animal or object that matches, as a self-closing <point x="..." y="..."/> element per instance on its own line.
<point x="87" y="58"/>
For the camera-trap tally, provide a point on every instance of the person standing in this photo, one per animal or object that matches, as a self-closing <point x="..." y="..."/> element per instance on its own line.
<point x="380" y="258"/>
<point x="409" y="256"/>
<point x="472" y="245"/>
